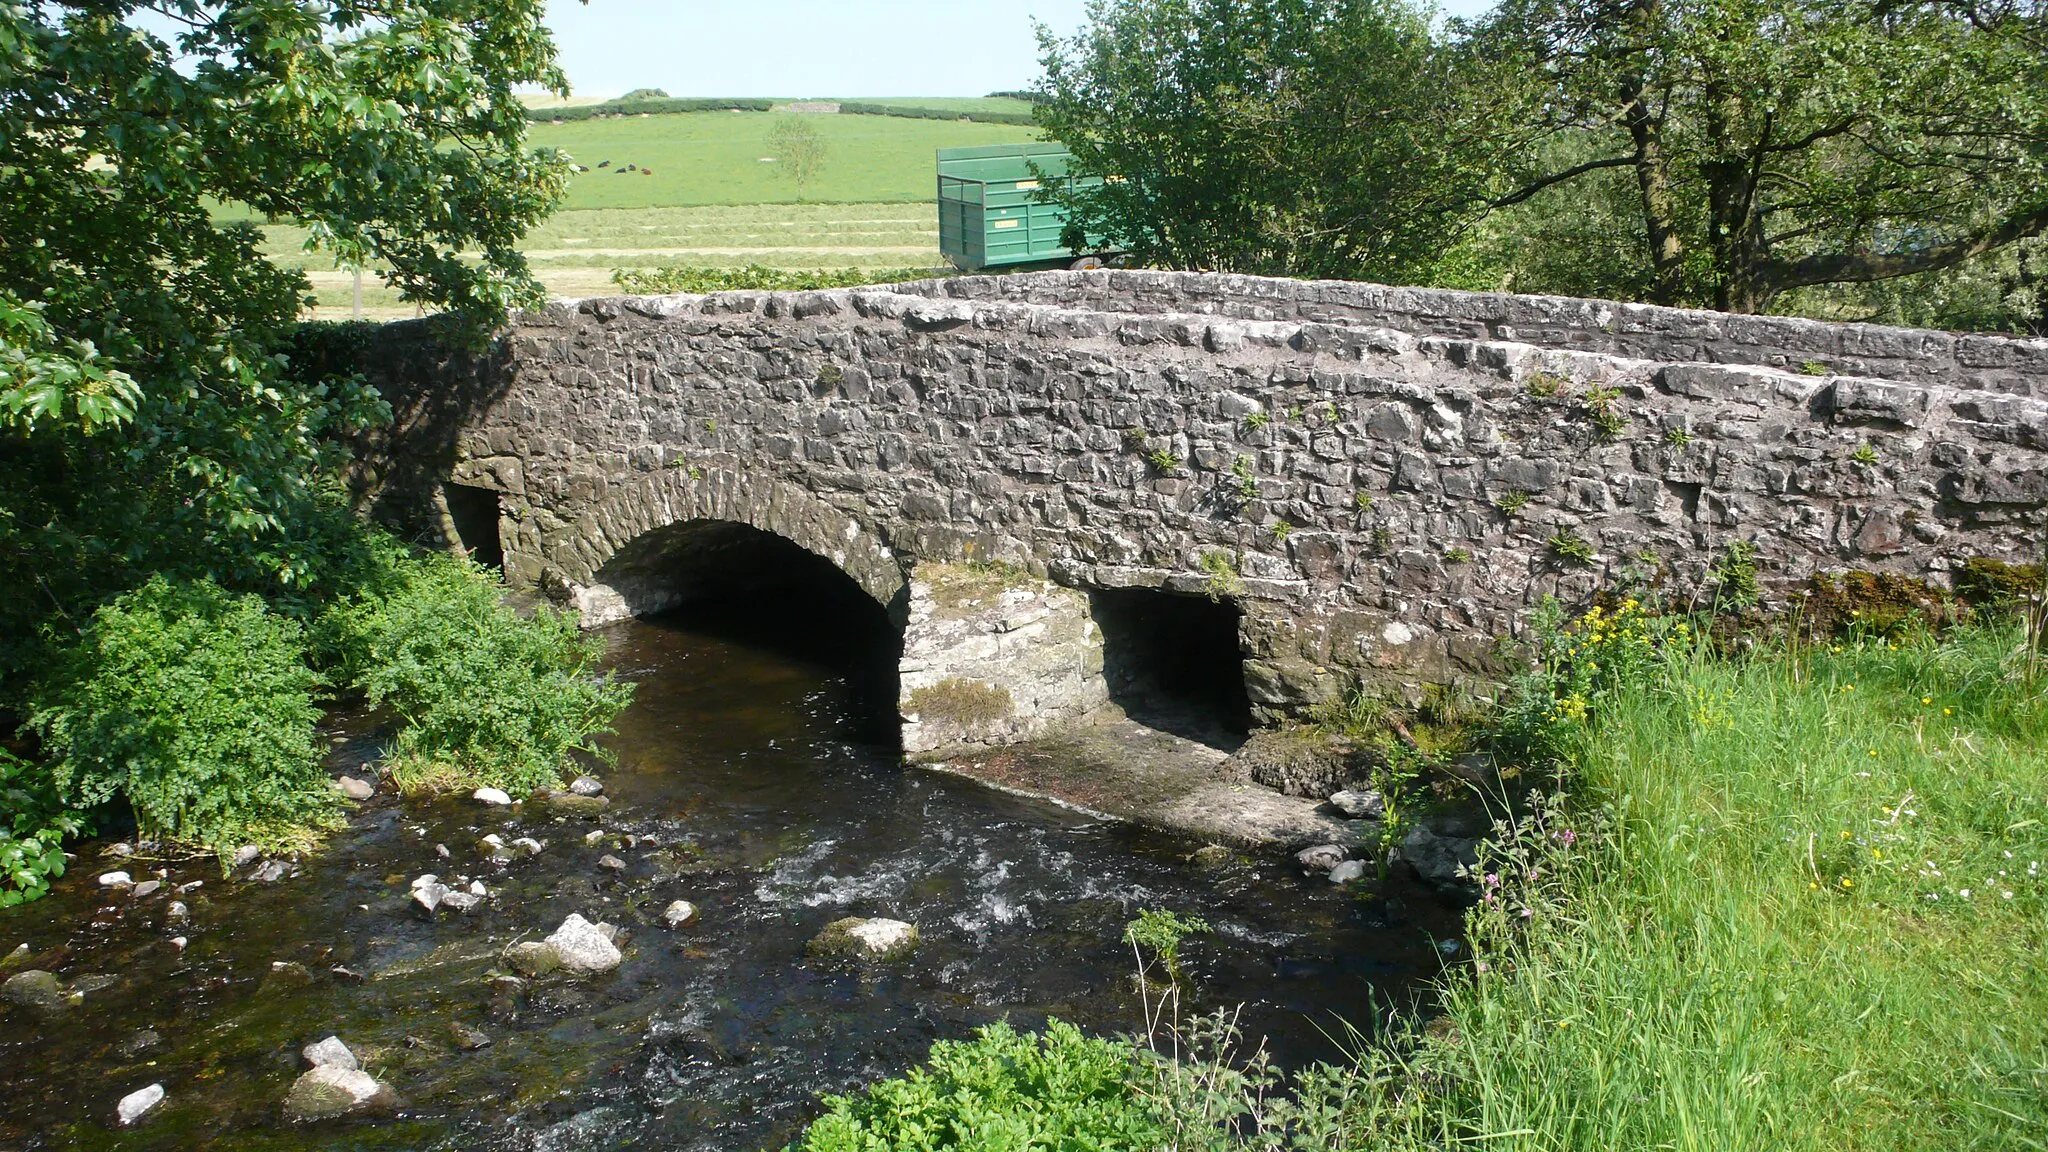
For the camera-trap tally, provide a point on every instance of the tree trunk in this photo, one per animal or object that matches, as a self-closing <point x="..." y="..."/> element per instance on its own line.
<point x="1653" y="181"/>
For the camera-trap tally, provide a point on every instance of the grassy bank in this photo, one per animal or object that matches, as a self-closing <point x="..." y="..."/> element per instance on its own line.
<point x="1794" y="900"/>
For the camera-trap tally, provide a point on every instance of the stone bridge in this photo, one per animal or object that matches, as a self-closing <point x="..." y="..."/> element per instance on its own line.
<point x="1060" y="484"/>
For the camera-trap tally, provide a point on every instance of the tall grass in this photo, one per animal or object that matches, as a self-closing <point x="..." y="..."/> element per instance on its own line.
<point x="1808" y="913"/>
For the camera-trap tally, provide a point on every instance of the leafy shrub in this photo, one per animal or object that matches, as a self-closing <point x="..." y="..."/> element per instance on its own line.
<point x="1001" y="1090"/>
<point x="634" y="104"/>
<point x="33" y="825"/>
<point x="1576" y="666"/>
<point x="758" y="278"/>
<point x="197" y="706"/>
<point x="481" y="695"/>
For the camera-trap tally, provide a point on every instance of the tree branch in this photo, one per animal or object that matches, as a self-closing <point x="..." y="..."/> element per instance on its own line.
<point x="1571" y="173"/>
<point x="1864" y="267"/>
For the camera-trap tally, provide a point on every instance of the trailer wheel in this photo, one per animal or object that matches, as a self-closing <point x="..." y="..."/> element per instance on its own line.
<point x="1086" y="264"/>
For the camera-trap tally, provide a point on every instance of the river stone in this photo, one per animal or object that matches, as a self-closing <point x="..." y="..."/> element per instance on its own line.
<point x="496" y="796"/>
<point x="272" y="871"/>
<point x="146" y="888"/>
<point x="466" y="1038"/>
<point x="247" y="854"/>
<point x="866" y="938"/>
<point x="135" y="1105"/>
<point x="34" y="988"/>
<point x="116" y="880"/>
<point x="430" y="895"/>
<point x="92" y="982"/>
<point x="570" y="804"/>
<point x="1212" y="856"/>
<point x="18" y="956"/>
<point x="1350" y="871"/>
<point x="1362" y="804"/>
<point x="1438" y="859"/>
<point x="679" y="913"/>
<point x="356" y="789"/>
<point x="329" y="1091"/>
<point x="1320" y="858"/>
<point x="139" y="1041"/>
<point x="460" y="901"/>
<point x="121" y="849"/>
<point x="583" y="947"/>
<point x="586" y="786"/>
<point x="532" y="958"/>
<point x="329" y="1053"/>
<point x="611" y="862"/>
<point x="176" y="910"/>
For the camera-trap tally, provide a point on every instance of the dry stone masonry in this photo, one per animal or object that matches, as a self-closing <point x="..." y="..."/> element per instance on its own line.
<point x="1383" y="480"/>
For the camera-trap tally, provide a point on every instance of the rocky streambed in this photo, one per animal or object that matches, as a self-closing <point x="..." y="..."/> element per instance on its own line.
<point x="753" y="908"/>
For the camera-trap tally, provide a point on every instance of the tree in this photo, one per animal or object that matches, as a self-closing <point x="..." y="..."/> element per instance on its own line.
<point x="799" y="149"/>
<point x="150" y="421"/>
<point x="1291" y="137"/>
<point x="1777" y="145"/>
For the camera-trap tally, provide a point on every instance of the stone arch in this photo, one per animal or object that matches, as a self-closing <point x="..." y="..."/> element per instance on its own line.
<point x="609" y="565"/>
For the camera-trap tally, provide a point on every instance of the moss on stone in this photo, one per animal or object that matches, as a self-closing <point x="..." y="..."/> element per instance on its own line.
<point x="963" y="703"/>
<point x="1989" y="583"/>
<point x="1881" y="603"/>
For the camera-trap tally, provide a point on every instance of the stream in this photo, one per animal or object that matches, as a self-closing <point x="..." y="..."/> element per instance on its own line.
<point x="750" y="783"/>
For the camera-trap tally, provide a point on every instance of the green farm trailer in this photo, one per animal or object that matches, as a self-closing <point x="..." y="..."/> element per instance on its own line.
<point x="989" y="212"/>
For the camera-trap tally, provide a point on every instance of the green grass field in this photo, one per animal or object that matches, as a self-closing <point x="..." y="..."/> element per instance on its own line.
<point x="717" y="158"/>
<point x="712" y="201"/>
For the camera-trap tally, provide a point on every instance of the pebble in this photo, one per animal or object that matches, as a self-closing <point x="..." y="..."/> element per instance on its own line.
<point x="1349" y="872"/>
<point x="116" y="880"/>
<point x="179" y="942"/>
<point x="146" y="888"/>
<point x="528" y="845"/>
<point x="594" y="837"/>
<point x="356" y="789"/>
<point x="194" y="886"/>
<point x="491" y="796"/>
<point x="140" y="1041"/>
<point x="441" y="850"/>
<point x="247" y="854"/>
<point x="329" y="1053"/>
<point x="177" y="910"/>
<point x="679" y="913"/>
<point x="611" y="862"/>
<point x="430" y="895"/>
<point x="476" y="888"/>
<point x="586" y="786"/>
<point x="135" y="1105"/>
<point x="460" y="901"/>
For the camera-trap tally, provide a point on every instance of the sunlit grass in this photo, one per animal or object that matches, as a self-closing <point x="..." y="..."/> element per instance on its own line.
<point x="1817" y="919"/>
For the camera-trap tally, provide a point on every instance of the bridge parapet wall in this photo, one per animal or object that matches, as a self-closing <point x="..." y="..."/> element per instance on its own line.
<point x="1384" y="479"/>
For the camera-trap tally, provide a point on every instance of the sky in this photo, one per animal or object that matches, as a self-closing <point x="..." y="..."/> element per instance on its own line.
<point x="797" y="48"/>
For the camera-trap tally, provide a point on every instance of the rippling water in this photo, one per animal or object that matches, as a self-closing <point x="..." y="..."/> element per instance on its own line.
<point x="744" y="787"/>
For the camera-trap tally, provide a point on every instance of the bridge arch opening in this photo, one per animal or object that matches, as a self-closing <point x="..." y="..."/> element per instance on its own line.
<point x="747" y="586"/>
<point x="1173" y="662"/>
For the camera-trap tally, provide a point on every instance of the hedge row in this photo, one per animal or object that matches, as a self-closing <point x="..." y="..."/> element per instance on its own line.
<point x="646" y="107"/>
<point x="658" y="106"/>
<point x="852" y="108"/>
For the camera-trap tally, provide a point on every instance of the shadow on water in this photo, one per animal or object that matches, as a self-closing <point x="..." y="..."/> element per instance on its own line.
<point x="747" y="783"/>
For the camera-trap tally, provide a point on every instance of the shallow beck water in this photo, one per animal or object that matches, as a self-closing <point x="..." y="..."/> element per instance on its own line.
<point x="743" y="787"/>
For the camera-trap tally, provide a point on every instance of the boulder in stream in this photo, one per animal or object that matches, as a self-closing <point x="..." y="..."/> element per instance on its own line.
<point x="1321" y="858"/>
<point x="331" y="1090"/>
<point x="586" y="786"/>
<point x="355" y="788"/>
<point x="1360" y="803"/>
<point x="1349" y="872"/>
<point x="135" y="1105"/>
<point x="493" y="796"/>
<point x="583" y="947"/>
<point x="1438" y="860"/>
<point x="116" y="880"/>
<point x="329" y="1053"/>
<point x="34" y="989"/>
<point x="271" y="872"/>
<point x="866" y="938"/>
<point x="570" y="804"/>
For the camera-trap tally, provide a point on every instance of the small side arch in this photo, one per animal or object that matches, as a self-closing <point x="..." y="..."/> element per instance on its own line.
<point x="614" y="563"/>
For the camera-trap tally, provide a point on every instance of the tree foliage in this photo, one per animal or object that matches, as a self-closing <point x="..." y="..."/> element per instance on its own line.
<point x="148" y="422"/>
<point x="1322" y="138"/>
<point x="799" y="149"/>
<point x="1774" y="145"/>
